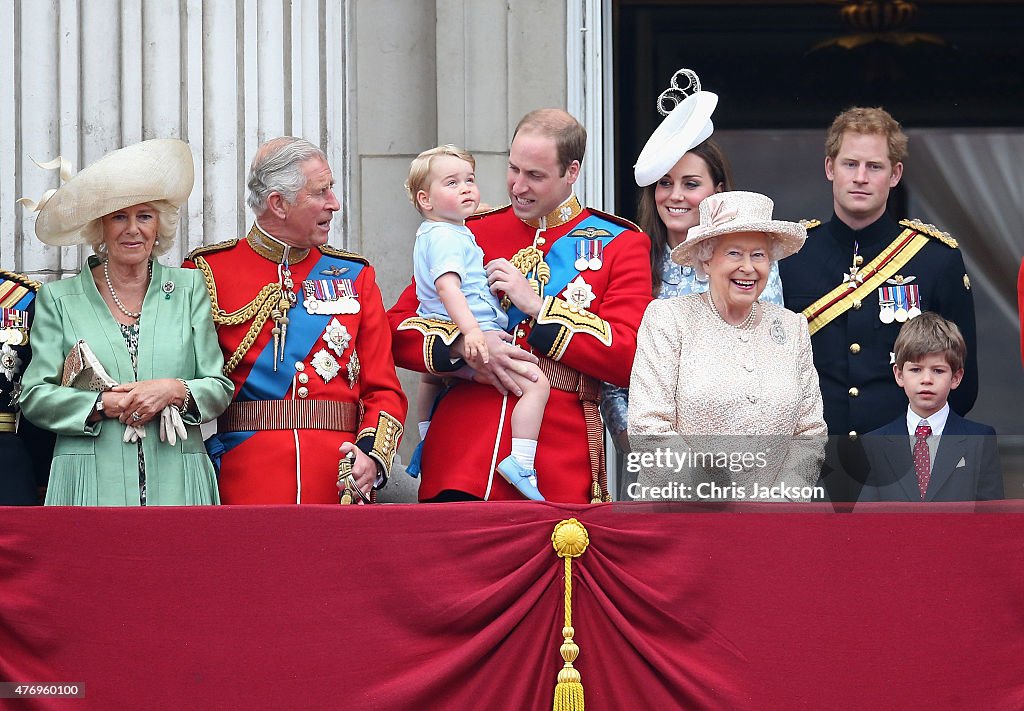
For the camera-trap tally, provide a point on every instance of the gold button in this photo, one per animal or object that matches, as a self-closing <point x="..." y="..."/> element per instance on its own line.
<point x="854" y="392"/>
<point x="856" y="304"/>
<point x="303" y="392"/>
<point x="540" y="241"/>
<point x="303" y="378"/>
<point x="858" y="260"/>
<point x="853" y="435"/>
<point x="855" y="348"/>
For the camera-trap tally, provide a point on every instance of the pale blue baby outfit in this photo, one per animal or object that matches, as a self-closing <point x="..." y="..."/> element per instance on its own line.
<point x="441" y="248"/>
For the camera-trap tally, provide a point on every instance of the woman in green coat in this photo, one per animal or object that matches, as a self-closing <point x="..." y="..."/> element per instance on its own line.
<point x="149" y="327"/>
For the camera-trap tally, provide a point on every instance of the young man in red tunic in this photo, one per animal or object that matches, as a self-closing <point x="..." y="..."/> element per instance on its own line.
<point x="575" y="282"/>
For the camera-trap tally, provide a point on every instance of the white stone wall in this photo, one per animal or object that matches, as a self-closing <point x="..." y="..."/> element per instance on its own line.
<point x="79" y="78"/>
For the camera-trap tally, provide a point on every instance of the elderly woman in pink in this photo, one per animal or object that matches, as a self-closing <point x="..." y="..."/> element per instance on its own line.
<point x="726" y="376"/>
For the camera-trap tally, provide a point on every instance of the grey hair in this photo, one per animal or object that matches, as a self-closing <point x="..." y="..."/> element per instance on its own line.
<point x="704" y="250"/>
<point x="166" y="229"/>
<point x="277" y="168"/>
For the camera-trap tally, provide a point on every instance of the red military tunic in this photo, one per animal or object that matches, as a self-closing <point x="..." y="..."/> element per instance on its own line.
<point x="589" y="338"/>
<point x="335" y="383"/>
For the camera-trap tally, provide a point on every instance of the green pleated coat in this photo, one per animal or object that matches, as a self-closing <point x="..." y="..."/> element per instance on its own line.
<point x="92" y="466"/>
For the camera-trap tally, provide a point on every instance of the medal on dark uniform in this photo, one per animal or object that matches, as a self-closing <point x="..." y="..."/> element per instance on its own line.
<point x="900" y="296"/>
<point x="886" y="305"/>
<point x="914" y="292"/>
<point x="13" y="327"/>
<point x="854" y="278"/>
<point x="10" y="363"/>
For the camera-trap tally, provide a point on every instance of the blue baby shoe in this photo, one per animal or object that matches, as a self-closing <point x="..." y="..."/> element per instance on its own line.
<point x="523" y="479"/>
<point x="413" y="467"/>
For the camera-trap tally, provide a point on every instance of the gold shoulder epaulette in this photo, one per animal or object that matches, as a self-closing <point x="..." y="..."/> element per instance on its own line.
<point x="490" y="211"/>
<point x="210" y="249"/>
<point x="810" y="224"/>
<point x="21" y="279"/>
<point x="622" y="221"/>
<point x="932" y="231"/>
<point x="335" y="252"/>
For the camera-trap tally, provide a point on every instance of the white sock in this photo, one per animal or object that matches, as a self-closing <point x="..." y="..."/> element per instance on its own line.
<point x="423" y="429"/>
<point x="524" y="451"/>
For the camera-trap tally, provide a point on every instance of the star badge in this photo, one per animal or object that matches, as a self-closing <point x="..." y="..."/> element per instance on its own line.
<point x="325" y="365"/>
<point x="353" y="369"/>
<point x="578" y="294"/>
<point x="337" y="337"/>
<point x="10" y="363"/>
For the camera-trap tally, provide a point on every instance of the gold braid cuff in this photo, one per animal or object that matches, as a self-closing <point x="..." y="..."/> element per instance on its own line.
<point x="258" y="311"/>
<point x="573" y="319"/>
<point x="386" y="437"/>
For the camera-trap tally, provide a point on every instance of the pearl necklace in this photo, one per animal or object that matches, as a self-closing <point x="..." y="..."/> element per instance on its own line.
<point x="748" y="322"/>
<point x="113" y="294"/>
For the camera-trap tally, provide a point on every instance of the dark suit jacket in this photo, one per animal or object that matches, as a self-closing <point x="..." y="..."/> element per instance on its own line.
<point x="966" y="466"/>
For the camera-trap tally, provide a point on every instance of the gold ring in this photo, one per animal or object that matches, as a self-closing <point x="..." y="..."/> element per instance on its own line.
<point x="136" y="416"/>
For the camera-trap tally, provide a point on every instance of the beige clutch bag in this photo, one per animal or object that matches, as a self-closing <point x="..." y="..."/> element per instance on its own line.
<point x="82" y="370"/>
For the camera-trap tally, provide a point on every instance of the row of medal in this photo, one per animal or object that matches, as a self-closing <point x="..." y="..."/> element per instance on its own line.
<point x="589" y="255"/>
<point x="330" y="296"/>
<point x="13" y="327"/>
<point x="898" y="302"/>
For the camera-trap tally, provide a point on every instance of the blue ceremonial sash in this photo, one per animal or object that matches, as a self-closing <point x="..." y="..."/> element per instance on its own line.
<point x="304" y="330"/>
<point x="24" y="301"/>
<point x="561" y="259"/>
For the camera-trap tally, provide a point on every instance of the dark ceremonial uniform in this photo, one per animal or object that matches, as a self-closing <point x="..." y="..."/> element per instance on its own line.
<point x="853" y="336"/>
<point x="25" y="450"/>
<point x="307" y="345"/>
<point x="593" y="271"/>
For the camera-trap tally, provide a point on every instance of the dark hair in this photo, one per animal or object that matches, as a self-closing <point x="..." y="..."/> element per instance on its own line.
<point x="647" y="210"/>
<point x="927" y="334"/>
<point x="569" y="135"/>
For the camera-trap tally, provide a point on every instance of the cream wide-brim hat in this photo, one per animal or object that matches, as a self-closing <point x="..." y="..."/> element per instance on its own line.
<point x="739" y="211"/>
<point x="158" y="169"/>
<point x="687" y="125"/>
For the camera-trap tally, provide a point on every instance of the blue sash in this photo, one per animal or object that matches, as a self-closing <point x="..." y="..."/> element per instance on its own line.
<point x="561" y="259"/>
<point x="304" y="331"/>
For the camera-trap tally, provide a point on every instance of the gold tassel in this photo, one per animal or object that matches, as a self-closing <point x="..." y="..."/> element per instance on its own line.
<point x="570" y="540"/>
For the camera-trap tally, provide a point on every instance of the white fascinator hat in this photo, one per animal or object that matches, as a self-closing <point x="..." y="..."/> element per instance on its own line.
<point x="687" y="111"/>
<point x="157" y="169"/>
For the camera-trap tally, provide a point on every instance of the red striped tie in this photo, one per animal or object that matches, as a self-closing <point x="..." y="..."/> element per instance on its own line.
<point x="922" y="465"/>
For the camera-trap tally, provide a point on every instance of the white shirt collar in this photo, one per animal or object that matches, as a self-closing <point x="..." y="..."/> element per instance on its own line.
<point x="937" y="421"/>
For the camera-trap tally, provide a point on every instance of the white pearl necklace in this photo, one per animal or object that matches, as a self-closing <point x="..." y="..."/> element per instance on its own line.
<point x="113" y="294"/>
<point x="748" y="322"/>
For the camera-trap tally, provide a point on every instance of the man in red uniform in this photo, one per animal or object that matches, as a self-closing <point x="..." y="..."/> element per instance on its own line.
<point x="305" y="340"/>
<point x="576" y="283"/>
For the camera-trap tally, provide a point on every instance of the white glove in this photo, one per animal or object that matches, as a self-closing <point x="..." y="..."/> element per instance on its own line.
<point x="133" y="433"/>
<point x="172" y="426"/>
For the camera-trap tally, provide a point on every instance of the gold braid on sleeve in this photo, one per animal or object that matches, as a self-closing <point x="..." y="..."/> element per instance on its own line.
<point x="258" y="310"/>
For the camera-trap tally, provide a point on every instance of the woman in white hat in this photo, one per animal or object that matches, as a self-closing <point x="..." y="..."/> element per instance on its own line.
<point x="679" y="166"/>
<point x="149" y="328"/>
<point x="718" y="364"/>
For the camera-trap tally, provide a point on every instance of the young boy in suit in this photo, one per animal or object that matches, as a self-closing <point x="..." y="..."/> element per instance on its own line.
<point x="931" y="454"/>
